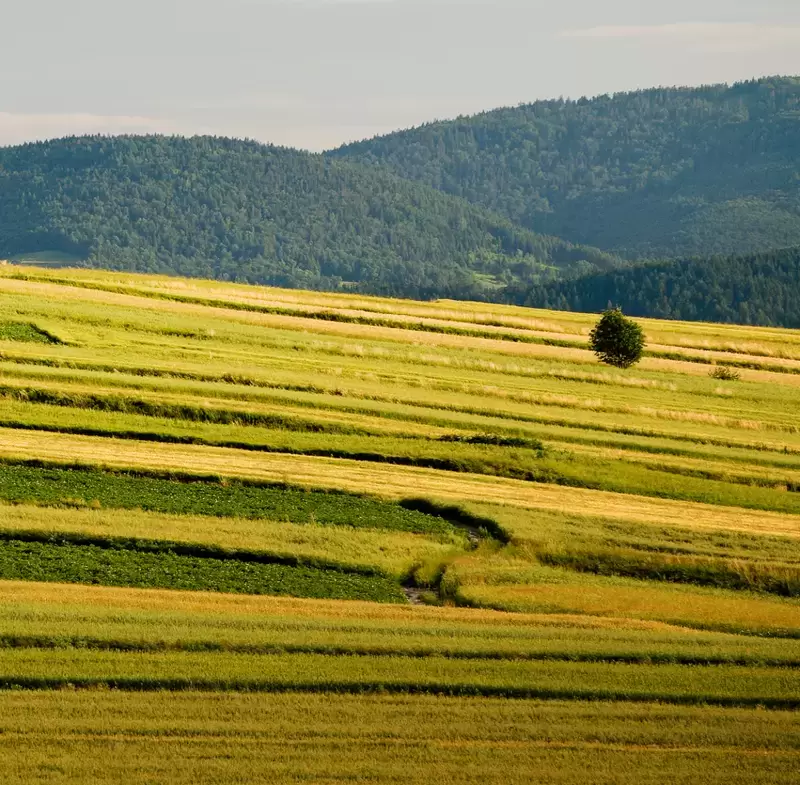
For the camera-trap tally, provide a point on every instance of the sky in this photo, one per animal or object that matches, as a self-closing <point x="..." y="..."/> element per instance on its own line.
<point x="318" y="73"/>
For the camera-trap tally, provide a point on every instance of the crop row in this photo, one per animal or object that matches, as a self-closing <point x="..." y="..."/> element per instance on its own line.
<point x="321" y="400"/>
<point x="21" y="482"/>
<point x="725" y="559"/>
<point x="721" y="685"/>
<point x="25" y="332"/>
<point x="444" y="386"/>
<point x="519" y="585"/>
<point x="397" y="554"/>
<point x="65" y="562"/>
<point x="45" y="616"/>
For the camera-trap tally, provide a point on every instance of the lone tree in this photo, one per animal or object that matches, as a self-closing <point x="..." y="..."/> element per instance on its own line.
<point x="616" y="340"/>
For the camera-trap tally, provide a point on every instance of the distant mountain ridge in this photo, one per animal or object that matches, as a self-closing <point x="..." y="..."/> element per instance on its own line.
<point x="237" y="210"/>
<point x="657" y="173"/>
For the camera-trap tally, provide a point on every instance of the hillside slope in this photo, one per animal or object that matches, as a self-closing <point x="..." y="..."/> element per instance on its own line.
<point x="757" y="289"/>
<point x="242" y="211"/>
<point x="662" y="172"/>
<point x="257" y="535"/>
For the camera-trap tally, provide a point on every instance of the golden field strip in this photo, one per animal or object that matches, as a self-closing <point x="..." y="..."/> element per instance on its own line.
<point x="196" y="737"/>
<point x="602" y="566"/>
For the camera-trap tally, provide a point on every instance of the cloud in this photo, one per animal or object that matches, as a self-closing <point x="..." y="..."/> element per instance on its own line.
<point x="17" y="128"/>
<point x="718" y="37"/>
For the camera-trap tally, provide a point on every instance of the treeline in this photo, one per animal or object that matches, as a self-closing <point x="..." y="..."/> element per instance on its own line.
<point x="658" y="173"/>
<point x="758" y="289"/>
<point x="242" y="211"/>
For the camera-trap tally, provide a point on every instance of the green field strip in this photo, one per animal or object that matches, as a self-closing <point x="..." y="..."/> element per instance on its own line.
<point x="24" y="414"/>
<point x="369" y="551"/>
<point x="679" y="684"/>
<point x="25" y="332"/>
<point x="297" y="335"/>
<point x="90" y="564"/>
<point x="520" y="585"/>
<point x="257" y="372"/>
<point x="741" y="403"/>
<point x="62" y="639"/>
<point x="443" y="334"/>
<point x="439" y="326"/>
<point x="390" y="335"/>
<point x="554" y="530"/>
<point x="354" y="414"/>
<point x="605" y="547"/>
<point x="201" y="329"/>
<point x="23" y="483"/>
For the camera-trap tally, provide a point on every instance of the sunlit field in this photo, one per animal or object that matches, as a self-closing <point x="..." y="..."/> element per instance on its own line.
<point x="249" y="534"/>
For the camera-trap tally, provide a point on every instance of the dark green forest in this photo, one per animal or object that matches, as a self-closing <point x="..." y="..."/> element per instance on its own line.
<point x="758" y="289"/>
<point x="652" y="174"/>
<point x="243" y="211"/>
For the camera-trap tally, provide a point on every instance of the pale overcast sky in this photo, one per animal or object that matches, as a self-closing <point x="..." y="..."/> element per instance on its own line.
<point x="317" y="73"/>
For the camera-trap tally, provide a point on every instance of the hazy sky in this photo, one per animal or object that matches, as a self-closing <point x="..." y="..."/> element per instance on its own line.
<point x="316" y="73"/>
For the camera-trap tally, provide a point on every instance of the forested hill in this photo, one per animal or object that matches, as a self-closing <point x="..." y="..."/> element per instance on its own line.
<point x="759" y="289"/>
<point x="243" y="211"/>
<point x="658" y="173"/>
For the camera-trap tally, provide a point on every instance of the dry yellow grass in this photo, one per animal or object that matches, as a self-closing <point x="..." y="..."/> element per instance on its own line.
<point x="224" y="739"/>
<point x="14" y="594"/>
<point x="766" y="474"/>
<point x="679" y="605"/>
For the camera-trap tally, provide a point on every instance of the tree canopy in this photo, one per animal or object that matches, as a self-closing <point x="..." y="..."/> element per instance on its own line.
<point x="758" y="289"/>
<point x="243" y="211"/>
<point x="657" y="173"/>
<point x="616" y="340"/>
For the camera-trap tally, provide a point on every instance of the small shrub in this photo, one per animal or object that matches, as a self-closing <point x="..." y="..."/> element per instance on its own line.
<point x="725" y="374"/>
<point x="616" y="340"/>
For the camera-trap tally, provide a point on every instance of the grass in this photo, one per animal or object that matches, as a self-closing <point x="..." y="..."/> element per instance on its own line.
<point x="721" y="685"/>
<point x="724" y="559"/>
<point x="519" y="586"/>
<point x="505" y="456"/>
<point x="203" y="738"/>
<point x="391" y="482"/>
<point x="36" y="615"/>
<point x="638" y="533"/>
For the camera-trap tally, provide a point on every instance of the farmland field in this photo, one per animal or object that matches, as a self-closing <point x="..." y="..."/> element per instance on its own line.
<point x="249" y="534"/>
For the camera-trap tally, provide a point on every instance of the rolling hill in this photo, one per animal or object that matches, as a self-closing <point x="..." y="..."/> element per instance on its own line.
<point x="242" y="211"/>
<point x="257" y="535"/>
<point x="658" y="173"/>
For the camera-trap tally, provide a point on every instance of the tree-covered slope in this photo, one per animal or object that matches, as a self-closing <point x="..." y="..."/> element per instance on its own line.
<point x="759" y="289"/>
<point x="662" y="172"/>
<point x="243" y="211"/>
